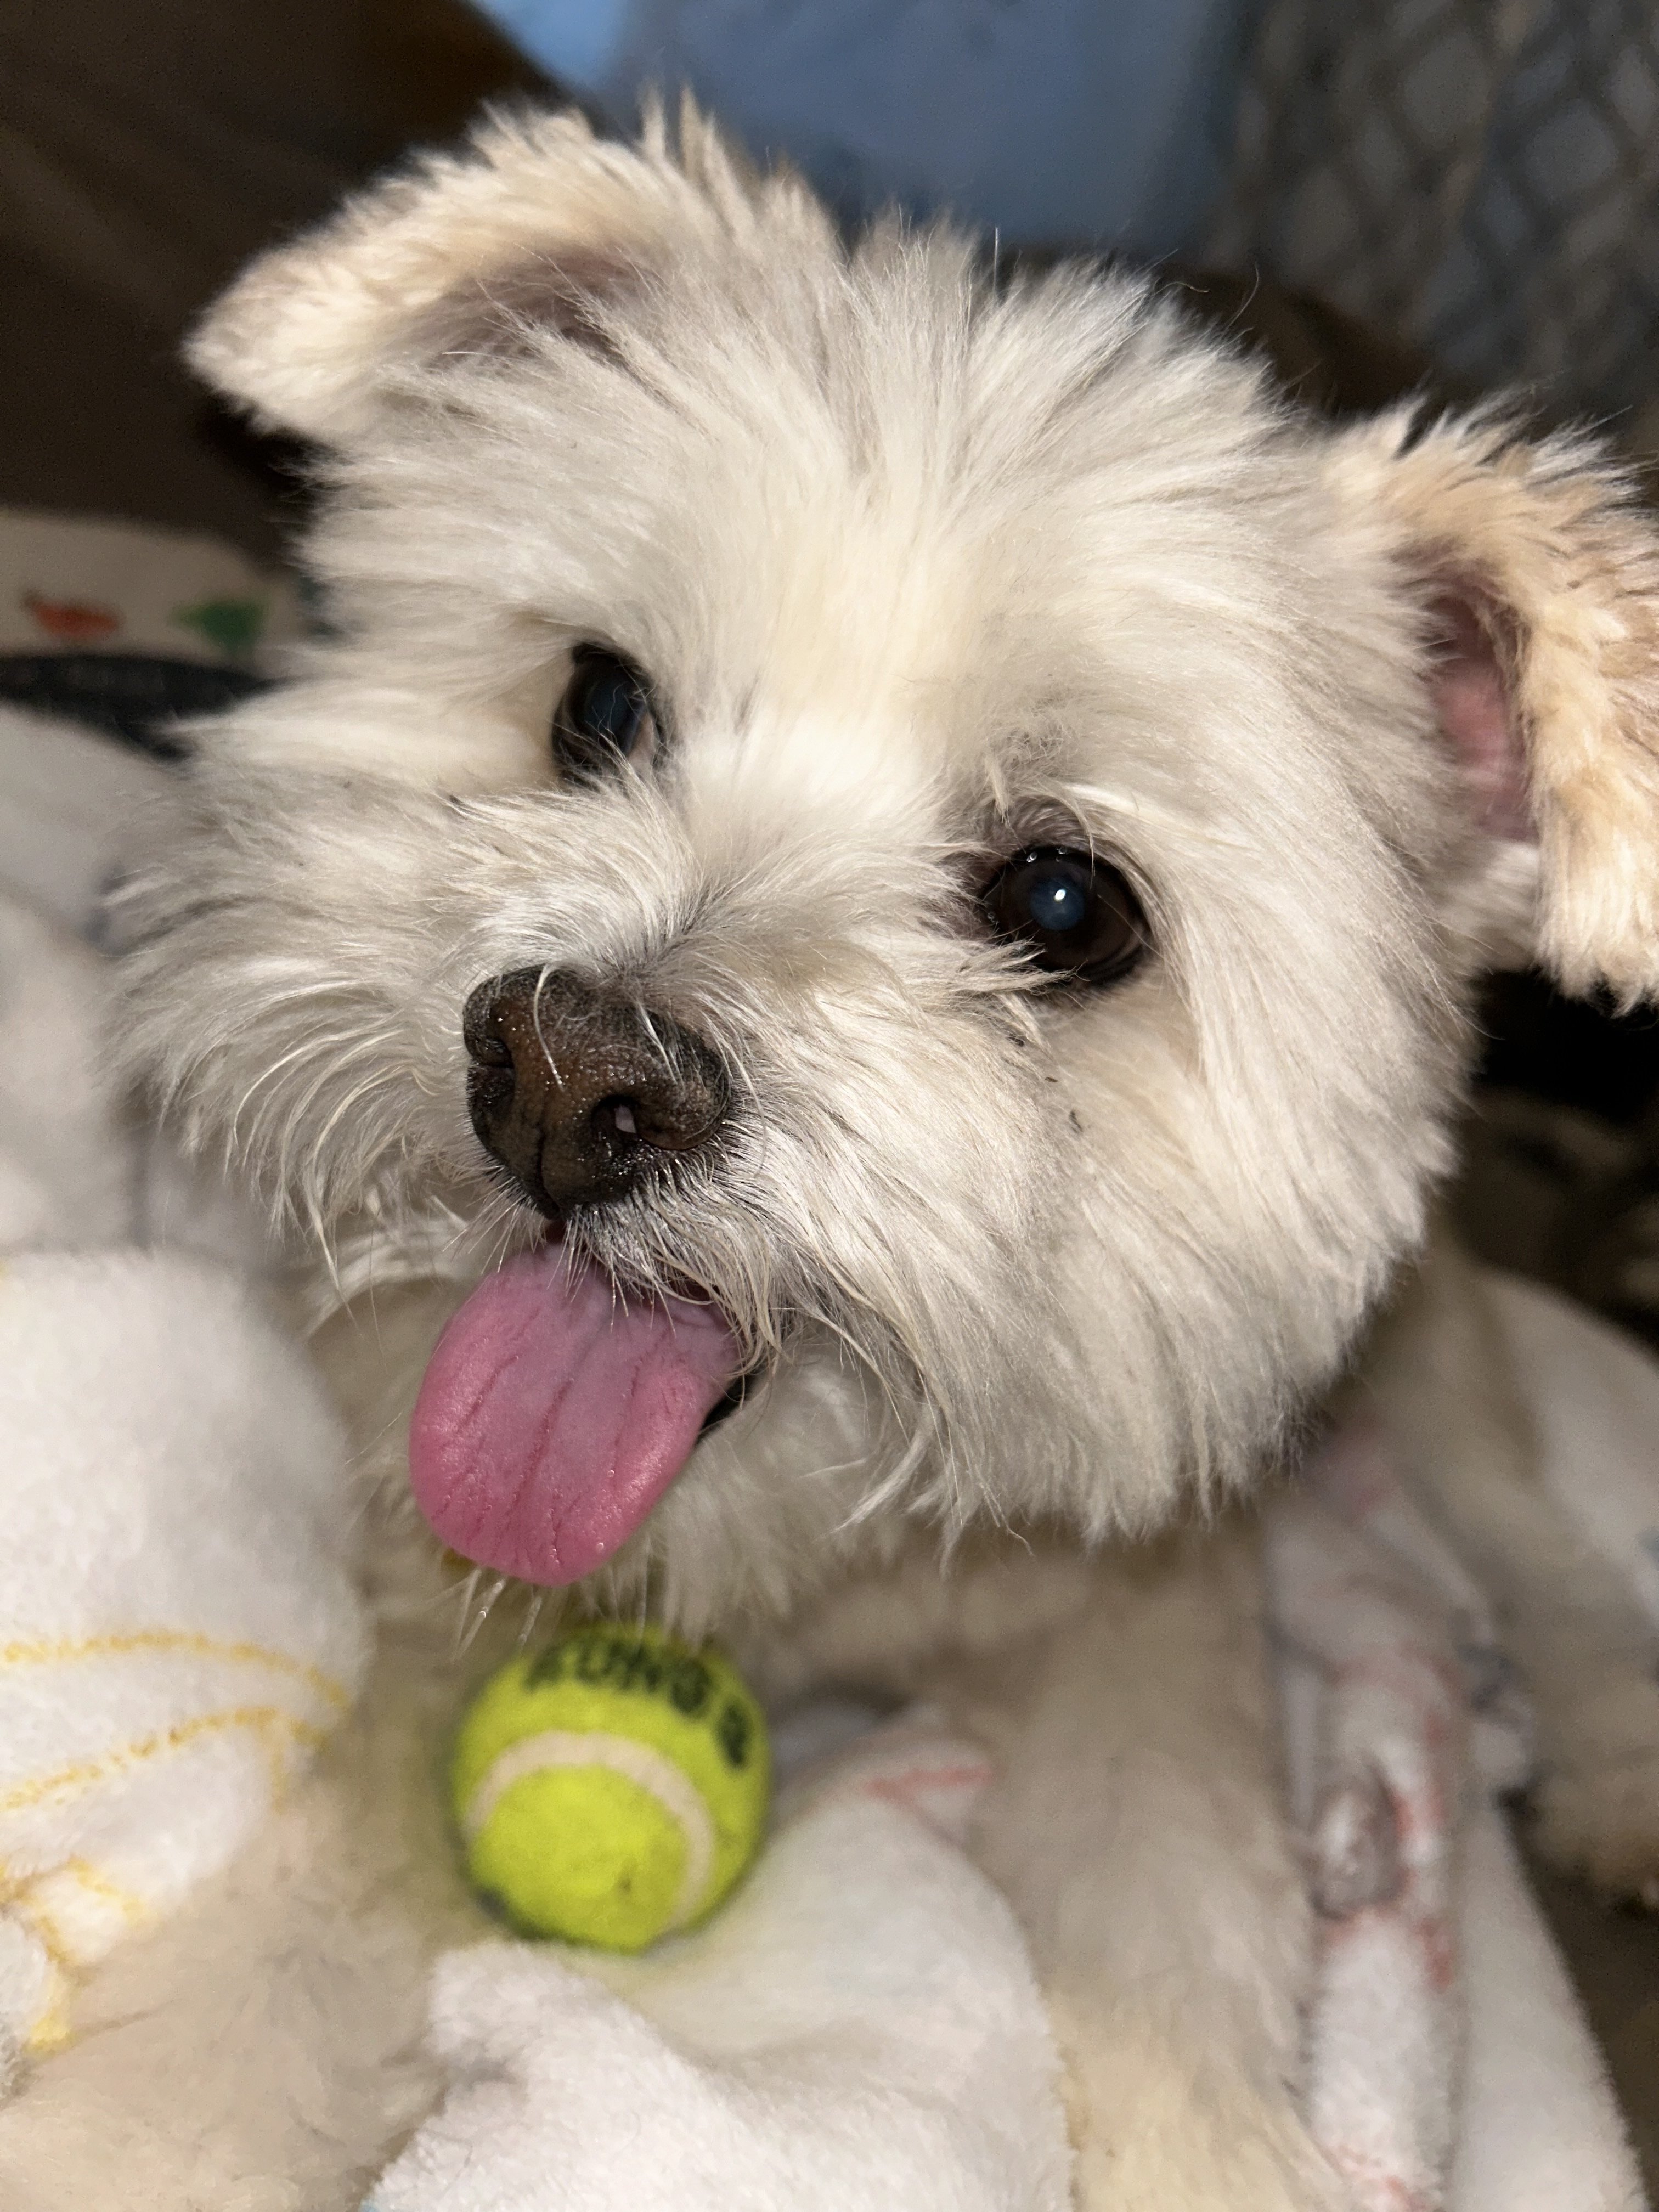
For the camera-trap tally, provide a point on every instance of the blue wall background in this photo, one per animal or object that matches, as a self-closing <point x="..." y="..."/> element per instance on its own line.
<point x="1077" y="121"/>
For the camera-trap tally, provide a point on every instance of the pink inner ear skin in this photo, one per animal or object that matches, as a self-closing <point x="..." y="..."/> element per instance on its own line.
<point x="1472" y="697"/>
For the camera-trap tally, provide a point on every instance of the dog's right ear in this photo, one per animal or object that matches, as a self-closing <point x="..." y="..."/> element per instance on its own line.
<point x="535" y="225"/>
<point x="1535" y="574"/>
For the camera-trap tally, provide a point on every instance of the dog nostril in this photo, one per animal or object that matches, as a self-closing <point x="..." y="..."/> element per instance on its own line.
<point x="489" y="1051"/>
<point x="615" y="1117"/>
<point x="673" y="1123"/>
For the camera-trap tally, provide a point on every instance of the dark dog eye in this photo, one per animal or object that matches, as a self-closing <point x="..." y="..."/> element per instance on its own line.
<point x="1078" y="913"/>
<point x="605" y="714"/>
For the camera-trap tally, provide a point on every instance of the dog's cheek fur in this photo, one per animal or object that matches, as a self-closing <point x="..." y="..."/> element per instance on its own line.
<point x="281" y="1009"/>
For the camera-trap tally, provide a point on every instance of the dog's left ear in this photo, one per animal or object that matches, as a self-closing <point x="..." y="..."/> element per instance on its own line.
<point x="536" y="224"/>
<point x="1536" y="572"/>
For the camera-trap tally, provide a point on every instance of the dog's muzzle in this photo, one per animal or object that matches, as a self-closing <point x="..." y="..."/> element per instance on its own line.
<point x="581" y="1097"/>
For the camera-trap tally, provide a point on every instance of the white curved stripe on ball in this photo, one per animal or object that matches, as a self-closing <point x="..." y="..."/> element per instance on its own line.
<point x="638" y="1762"/>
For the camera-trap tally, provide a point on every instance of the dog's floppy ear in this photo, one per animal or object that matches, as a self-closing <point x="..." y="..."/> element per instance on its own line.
<point x="1537" y="571"/>
<point x="536" y="222"/>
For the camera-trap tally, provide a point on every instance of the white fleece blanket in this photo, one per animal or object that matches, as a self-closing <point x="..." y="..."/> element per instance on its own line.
<point x="178" y="1628"/>
<point x="859" y="2026"/>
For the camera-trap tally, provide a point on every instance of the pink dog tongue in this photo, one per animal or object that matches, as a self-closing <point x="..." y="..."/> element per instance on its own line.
<point x="552" y="1417"/>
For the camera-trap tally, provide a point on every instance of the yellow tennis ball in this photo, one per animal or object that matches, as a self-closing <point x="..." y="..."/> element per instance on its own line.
<point x="611" y="1789"/>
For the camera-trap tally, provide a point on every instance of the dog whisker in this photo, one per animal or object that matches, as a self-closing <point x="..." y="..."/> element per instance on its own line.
<point x="477" y="1613"/>
<point x="536" y="1023"/>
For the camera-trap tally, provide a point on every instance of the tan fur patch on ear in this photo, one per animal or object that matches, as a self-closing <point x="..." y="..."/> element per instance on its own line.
<point x="1551" y="532"/>
<point x="305" y="339"/>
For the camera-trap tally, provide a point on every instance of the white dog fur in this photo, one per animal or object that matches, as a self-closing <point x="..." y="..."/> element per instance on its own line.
<point x="924" y="569"/>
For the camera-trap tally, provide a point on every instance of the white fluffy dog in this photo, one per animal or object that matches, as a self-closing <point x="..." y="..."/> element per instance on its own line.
<point x="910" y="849"/>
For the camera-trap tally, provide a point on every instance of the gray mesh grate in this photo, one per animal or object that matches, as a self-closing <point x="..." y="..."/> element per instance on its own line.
<point x="1481" y="175"/>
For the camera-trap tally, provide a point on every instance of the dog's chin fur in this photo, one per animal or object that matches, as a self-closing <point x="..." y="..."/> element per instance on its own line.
<point x="923" y="570"/>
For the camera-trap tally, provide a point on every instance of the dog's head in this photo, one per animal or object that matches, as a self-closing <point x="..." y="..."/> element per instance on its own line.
<point x="933" y="830"/>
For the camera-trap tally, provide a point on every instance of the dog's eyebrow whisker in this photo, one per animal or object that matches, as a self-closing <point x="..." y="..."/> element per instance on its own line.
<point x="1141" y="809"/>
<point x="1000" y="790"/>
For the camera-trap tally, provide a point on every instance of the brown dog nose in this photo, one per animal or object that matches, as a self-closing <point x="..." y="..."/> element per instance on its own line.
<point x="580" y="1096"/>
